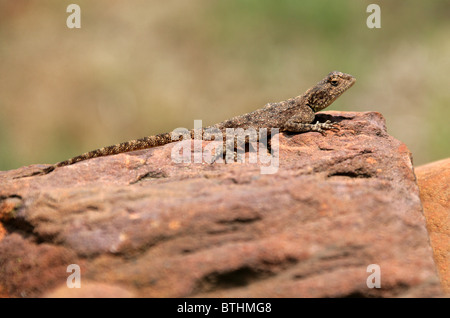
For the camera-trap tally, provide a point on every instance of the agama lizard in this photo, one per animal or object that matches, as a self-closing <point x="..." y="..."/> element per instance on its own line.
<point x="293" y="115"/>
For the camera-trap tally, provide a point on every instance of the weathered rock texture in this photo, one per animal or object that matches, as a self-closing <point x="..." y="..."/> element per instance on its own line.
<point x="434" y="184"/>
<point x="147" y="226"/>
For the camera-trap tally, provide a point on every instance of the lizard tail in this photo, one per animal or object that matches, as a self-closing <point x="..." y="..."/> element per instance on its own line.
<point x="138" y="144"/>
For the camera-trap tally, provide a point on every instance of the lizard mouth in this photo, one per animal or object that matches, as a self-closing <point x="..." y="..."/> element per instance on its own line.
<point x="350" y="78"/>
<point x="352" y="81"/>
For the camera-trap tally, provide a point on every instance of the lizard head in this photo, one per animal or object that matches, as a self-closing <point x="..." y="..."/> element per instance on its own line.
<point x="327" y="90"/>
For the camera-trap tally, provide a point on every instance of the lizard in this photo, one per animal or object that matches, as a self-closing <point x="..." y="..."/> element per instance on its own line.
<point x="295" y="115"/>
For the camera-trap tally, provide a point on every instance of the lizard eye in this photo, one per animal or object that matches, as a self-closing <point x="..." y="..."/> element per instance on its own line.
<point x="334" y="82"/>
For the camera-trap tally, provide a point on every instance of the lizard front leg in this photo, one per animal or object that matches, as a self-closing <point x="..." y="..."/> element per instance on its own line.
<point x="295" y="126"/>
<point x="302" y="122"/>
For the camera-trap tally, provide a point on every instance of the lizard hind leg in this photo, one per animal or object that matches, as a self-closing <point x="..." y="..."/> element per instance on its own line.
<point x="230" y="152"/>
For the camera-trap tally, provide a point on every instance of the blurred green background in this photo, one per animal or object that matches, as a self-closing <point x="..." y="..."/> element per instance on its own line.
<point x="140" y="67"/>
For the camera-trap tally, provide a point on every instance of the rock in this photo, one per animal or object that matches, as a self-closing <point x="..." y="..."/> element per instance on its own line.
<point x="29" y="267"/>
<point x="338" y="203"/>
<point x="90" y="290"/>
<point x="434" y="180"/>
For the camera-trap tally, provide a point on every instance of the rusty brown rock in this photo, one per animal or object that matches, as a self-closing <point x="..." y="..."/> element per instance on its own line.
<point x="337" y="204"/>
<point x="434" y="185"/>
<point x="90" y="290"/>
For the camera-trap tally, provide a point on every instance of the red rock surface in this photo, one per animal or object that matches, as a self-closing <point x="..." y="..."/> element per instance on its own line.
<point x="155" y="228"/>
<point x="90" y="290"/>
<point x="434" y="184"/>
